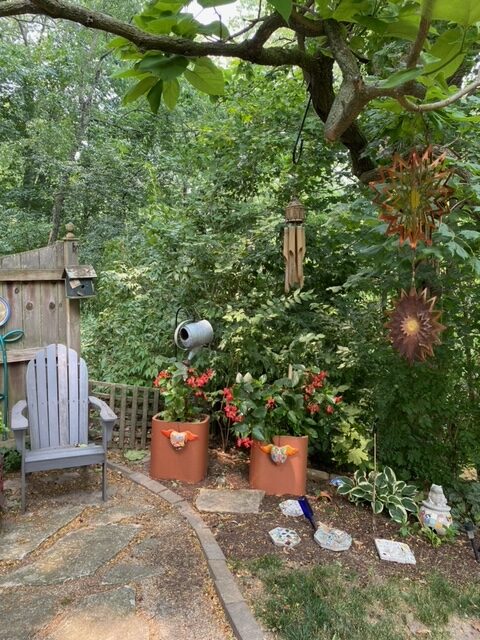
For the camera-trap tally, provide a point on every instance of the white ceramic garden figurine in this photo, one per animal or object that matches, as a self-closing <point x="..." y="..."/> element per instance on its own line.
<point x="435" y="512"/>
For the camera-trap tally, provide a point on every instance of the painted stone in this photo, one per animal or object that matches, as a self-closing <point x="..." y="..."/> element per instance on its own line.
<point x="291" y="508"/>
<point x="282" y="537"/>
<point x="393" y="551"/>
<point x="332" y="539"/>
<point x="435" y="512"/>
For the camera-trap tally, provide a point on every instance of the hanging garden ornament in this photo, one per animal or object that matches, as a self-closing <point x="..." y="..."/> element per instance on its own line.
<point x="414" y="326"/>
<point x="294" y="244"/>
<point x="414" y="195"/>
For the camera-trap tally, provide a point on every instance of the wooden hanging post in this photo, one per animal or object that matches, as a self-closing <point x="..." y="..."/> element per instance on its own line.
<point x="294" y="244"/>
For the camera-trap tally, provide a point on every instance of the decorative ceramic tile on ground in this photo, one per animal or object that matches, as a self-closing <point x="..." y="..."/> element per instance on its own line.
<point x="332" y="539"/>
<point x="291" y="508"/>
<point x="394" y="551"/>
<point x="282" y="537"/>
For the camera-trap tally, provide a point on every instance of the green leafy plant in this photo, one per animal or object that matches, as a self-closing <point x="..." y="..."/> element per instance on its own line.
<point x="184" y="392"/>
<point x="435" y="540"/>
<point x="12" y="459"/>
<point x="464" y="498"/>
<point x="303" y="404"/>
<point x="134" y="455"/>
<point x="382" y="491"/>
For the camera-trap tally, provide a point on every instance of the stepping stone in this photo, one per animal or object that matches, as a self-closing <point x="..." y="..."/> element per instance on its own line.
<point x="229" y="501"/>
<point x="111" y="515"/>
<point x="22" y="614"/>
<point x="21" y="536"/>
<point x="141" y="564"/>
<point x="393" y="551"/>
<point x="282" y="537"/>
<point x="108" y="615"/>
<point x="76" y="555"/>
<point x="126" y="573"/>
<point x="332" y="539"/>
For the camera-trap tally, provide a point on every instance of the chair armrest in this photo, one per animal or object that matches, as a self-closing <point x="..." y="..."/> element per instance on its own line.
<point x="19" y="424"/>
<point x="107" y="416"/>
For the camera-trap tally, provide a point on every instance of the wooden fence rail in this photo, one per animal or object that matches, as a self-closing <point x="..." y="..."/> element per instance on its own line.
<point x="134" y="406"/>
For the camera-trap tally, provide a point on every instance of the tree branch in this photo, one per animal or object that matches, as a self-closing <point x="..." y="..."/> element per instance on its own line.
<point x="440" y="104"/>
<point x="17" y="8"/>
<point x="424" y="27"/>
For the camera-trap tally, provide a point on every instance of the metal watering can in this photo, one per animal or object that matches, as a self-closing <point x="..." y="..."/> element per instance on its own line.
<point x="192" y="336"/>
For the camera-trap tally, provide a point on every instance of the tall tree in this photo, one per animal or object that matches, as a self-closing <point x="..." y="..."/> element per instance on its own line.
<point x="419" y="54"/>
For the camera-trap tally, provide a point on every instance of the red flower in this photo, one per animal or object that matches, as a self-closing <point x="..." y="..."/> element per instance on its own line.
<point x="200" y="394"/>
<point x="270" y="404"/>
<point x="244" y="442"/>
<point x="163" y="375"/>
<point x="329" y="409"/>
<point x="228" y="394"/>
<point x="338" y="399"/>
<point x="313" y="408"/>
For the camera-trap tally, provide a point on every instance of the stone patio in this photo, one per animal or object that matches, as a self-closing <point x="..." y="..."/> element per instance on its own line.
<point x="74" y="567"/>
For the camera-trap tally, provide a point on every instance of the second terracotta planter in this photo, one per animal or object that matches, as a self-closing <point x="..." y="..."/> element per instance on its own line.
<point x="289" y="478"/>
<point x="187" y="464"/>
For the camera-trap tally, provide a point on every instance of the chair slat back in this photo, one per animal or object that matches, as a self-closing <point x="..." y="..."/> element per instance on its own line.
<point x="57" y="398"/>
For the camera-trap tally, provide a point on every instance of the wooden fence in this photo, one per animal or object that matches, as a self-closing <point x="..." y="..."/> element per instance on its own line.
<point x="134" y="406"/>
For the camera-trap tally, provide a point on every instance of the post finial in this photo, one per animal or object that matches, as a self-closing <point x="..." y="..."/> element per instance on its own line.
<point x="70" y="228"/>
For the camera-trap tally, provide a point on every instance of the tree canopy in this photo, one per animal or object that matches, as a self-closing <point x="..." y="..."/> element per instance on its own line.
<point x="353" y="54"/>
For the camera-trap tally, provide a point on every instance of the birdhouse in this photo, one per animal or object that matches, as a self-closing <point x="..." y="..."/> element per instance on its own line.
<point x="79" y="281"/>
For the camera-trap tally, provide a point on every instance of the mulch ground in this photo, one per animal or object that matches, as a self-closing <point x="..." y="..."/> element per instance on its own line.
<point x="245" y="537"/>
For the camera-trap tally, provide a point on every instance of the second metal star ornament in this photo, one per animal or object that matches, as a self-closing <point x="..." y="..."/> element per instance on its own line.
<point x="414" y="325"/>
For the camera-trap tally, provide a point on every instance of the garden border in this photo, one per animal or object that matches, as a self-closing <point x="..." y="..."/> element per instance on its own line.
<point x="239" y="615"/>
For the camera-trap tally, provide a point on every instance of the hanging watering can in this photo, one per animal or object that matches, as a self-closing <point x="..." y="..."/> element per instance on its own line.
<point x="192" y="336"/>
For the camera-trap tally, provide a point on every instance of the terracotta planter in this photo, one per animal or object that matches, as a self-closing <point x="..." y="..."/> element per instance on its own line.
<point x="288" y="478"/>
<point x="187" y="464"/>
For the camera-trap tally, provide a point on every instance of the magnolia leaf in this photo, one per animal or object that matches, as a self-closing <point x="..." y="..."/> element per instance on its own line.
<point x="171" y="91"/>
<point x="284" y="7"/>
<point x="155" y="95"/>
<point x="139" y="89"/>
<point x="116" y="43"/>
<point x="165" y="67"/>
<point x="161" y="25"/>
<point x="206" y="77"/>
<point x="213" y="3"/>
<point x="165" y="6"/>
<point x="215" y="28"/>
<point x="464" y="12"/>
<point x="400" y="77"/>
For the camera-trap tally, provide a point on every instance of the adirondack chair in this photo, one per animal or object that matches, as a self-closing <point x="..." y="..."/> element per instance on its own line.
<point x="57" y="403"/>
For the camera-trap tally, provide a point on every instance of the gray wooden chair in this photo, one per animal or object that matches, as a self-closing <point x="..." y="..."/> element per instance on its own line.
<point x="57" y="403"/>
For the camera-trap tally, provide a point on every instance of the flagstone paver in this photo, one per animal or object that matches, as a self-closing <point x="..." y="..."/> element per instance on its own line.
<point x="229" y="501"/>
<point x="22" y="614"/>
<point x="107" y="616"/>
<point x="127" y="569"/>
<point x="20" y="536"/>
<point x="79" y="553"/>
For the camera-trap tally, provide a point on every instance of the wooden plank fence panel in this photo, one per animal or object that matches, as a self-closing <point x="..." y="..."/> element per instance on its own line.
<point x="134" y="406"/>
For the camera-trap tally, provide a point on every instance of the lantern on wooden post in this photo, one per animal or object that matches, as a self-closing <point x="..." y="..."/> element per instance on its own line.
<point x="294" y="244"/>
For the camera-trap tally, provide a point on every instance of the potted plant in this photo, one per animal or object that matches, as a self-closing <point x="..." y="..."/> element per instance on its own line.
<point x="179" y="443"/>
<point x="274" y="420"/>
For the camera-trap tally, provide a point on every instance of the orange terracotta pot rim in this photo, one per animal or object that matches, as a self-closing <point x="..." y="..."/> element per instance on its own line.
<point x="202" y="419"/>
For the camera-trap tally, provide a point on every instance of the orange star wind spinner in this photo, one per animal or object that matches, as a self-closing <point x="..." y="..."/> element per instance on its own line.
<point x="414" y="326"/>
<point x="414" y="195"/>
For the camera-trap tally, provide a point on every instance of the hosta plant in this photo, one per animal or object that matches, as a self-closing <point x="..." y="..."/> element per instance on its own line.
<point x="383" y="491"/>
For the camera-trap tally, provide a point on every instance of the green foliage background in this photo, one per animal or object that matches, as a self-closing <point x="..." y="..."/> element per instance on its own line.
<point x="184" y="211"/>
